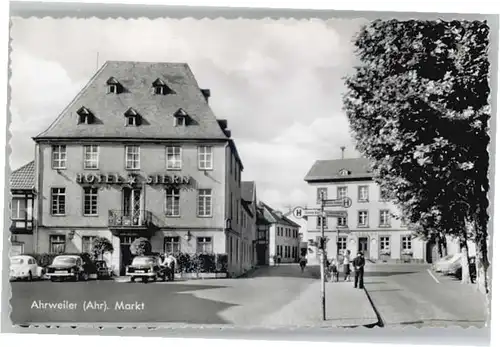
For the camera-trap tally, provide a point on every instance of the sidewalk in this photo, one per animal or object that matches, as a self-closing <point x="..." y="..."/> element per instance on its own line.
<point x="345" y="307"/>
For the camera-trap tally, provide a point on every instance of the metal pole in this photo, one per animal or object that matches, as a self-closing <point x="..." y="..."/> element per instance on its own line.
<point x="323" y="300"/>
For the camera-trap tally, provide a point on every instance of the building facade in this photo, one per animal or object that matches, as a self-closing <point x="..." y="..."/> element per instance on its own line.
<point x="139" y="153"/>
<point x="284" y="240"/>
<point x="22" y="203"/>
<point x="372" y="224"/>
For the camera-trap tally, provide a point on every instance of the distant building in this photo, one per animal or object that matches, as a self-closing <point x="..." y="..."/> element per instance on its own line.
<point x="264" y="224"/>
<point x="139" y="153"/>
<point x="283" y="236"/>
<point x="22" y="190"/>
<point x="248" y="220"/>
<point x="372" y="226"/>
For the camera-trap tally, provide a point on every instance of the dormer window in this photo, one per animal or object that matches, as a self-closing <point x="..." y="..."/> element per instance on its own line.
<point x="161" y="88"/>
<point x="181" y="117"/>
<point x="85" y="116"/>
<point x="133" y="118"/>
<point x="114" y="87"/>
<point x="343" y="172"/>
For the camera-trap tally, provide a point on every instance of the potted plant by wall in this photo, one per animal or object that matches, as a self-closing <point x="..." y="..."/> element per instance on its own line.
<point x="406" y="256"/>
<point x="385" y="255"/>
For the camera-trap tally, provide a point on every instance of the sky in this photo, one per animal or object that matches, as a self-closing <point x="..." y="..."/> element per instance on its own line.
<point x="279" y="83"/>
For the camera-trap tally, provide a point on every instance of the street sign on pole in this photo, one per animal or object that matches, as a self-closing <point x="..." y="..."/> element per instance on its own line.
<point x="335" y="213"/>
<point x="298" y="212"/>
<point x="342" y="202"/>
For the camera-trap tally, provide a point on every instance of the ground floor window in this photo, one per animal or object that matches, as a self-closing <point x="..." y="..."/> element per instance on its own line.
<point x="87" y="243"/>
<point x="171" y="244"/>
<point x="342" y="244"/>
<point x="57" y="243"/>
<point x="406" y="243"/>
<point x="16" y="248"/>
<point x="204" y="245"/>
<point x="385" y="245"/>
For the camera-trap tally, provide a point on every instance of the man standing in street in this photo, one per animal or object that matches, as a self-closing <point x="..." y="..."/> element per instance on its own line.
<point x="170" y="263"/>
<point x="359" y="270"/>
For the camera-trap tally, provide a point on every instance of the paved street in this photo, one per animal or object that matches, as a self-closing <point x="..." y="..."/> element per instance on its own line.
<point x="409" y="295"/>
<point x="217" y="301"/>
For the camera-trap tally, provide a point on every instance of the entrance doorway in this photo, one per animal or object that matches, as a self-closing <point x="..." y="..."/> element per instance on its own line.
<point x="363" y="245"/>
<point x="126" y="254"/>
<point x="131" y="205"/>
<point x="261" y="254"/>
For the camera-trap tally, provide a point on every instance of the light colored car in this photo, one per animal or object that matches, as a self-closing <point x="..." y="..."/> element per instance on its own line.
<point x="146" y="268"/>
<point x="24" y="267"/>
<point x="448" y="264"/>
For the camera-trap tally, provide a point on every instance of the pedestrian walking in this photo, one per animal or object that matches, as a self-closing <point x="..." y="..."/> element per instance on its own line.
<point x="302" y="262"/>
<point x="279" y="259"/>
<point x="275" y="260"/>
<point x="359" y="270"/>
<point x="334" y="270"/>
<point x="347" y="267"/>
<point x="170" y="263"/>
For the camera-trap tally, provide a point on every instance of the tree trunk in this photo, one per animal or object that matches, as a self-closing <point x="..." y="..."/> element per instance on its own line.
<point x="482" y="265"/>
<point x="464" y="248"/>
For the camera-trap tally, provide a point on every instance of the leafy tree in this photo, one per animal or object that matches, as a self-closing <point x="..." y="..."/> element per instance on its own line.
<point x="101" y="245"/>
<point x="140" y="246"/>
<point x="417" y="106"/>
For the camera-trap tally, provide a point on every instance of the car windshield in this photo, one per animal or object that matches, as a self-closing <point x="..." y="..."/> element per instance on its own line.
<point x="16" y="261"/>
<point x="143" y="261"/>
<point x="64" y="261"/>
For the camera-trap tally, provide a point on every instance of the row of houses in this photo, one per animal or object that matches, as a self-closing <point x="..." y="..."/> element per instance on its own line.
<point x="139" y="153"/>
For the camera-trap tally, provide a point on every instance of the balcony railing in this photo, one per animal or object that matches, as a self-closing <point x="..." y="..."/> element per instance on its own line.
<point x="20" y="225"/>
<point x="128" y="219"/>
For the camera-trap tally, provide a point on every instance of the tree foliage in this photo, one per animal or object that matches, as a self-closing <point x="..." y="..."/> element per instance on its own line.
<point x="140" y="246"/>
<point x="101" y="245"/>
<point x="418" y="107"/>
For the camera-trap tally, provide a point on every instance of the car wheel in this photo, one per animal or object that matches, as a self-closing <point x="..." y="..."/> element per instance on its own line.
<point x="145" y="280"/>
<point x="85" y="276"/>
<point x="52" y="279"/>
<point x="132" y="279"/>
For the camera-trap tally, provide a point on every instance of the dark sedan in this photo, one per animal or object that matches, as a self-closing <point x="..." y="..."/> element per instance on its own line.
<point x="68" y="267"/>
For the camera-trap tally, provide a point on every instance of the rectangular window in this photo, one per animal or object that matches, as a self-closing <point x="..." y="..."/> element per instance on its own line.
<point x="342" y="222"/>
<point x="385" y="218"/>
<point x="205" y="158"/>
<point x="174" y="158"/>
<point x="18" y="208"/>
<point x="58" y="201"/>
<point x="318" y="222"/>
<point x="59" y="157"/>
<point x="90" y="201"/>
<point x="341" y="192"/>
<point x="171" y="244"/>
<point x="385" y="244"/>
<point x="363" y="218"/>
<point x="204" y="245"/>
<point x="87" y="243"/>
<point x="172" y="205"/>
<point x="321" y="193"/>
<point x="205" y="202"/>
<point x="363" y="193"/>
<point x="406" y="243"/>
<point x="342" y="244"/>
<point x="132" y="158"/>
<point x="91" y="157"/>
<point x="57" y="244"/>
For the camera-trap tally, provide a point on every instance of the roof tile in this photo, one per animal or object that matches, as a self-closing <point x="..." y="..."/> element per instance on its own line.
<point x="24" y="177"/>
<point x="357" y="168"/>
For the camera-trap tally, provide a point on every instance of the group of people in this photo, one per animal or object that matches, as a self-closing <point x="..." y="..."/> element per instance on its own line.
<point x="169" y="264"/>
<point x="358" y="263"/>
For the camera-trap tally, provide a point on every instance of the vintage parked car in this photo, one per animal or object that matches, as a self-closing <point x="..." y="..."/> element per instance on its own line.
<point x="25" y="267"/>
<point x="103" y="271"/>
<point x="146" y="268"/>
<point x="69" y="267"/>
<point x="443" y="264"/>
<point x="472" y="269"/>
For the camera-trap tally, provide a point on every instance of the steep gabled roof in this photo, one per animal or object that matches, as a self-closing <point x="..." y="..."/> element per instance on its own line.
<point x="24" y="177"/>
<point x="330" y="170"/>
<point x="273" y="216"/>
<point x="156" y="110"/>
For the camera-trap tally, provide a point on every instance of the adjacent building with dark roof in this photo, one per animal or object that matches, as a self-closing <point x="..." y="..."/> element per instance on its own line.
<point x="284" y="239"/>
<point x="22" y="190"/>
<point x="139" y="153"/>
<point x="372" y="224"/>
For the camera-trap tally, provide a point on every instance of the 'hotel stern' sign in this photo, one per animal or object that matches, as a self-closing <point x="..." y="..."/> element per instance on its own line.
<point x="131" y="179"/>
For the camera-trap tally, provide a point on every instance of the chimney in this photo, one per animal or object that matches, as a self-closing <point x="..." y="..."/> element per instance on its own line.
<point x="206" y="93"/>
<point x="342" y="148"/>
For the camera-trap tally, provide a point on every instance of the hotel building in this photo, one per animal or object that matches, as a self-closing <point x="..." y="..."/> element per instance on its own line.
<point x="139" y="153"/>
<point x="372" y="225"/>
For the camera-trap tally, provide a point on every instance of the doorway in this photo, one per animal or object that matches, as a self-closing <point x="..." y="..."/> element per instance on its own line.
<point x="363" y="245"/>
<point x="131" y="205"/>
<point x="126" y="254"/>
<point x="261" y="254"/>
